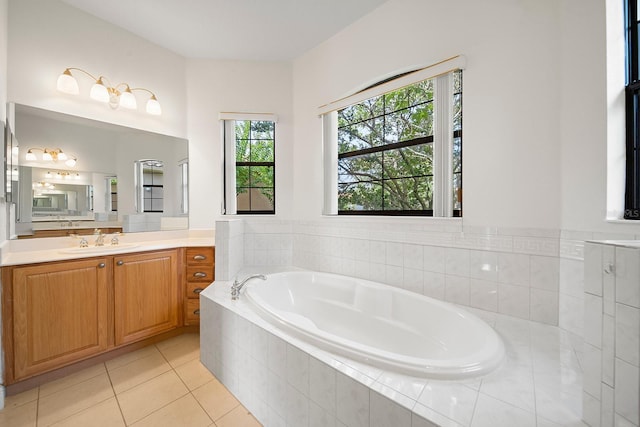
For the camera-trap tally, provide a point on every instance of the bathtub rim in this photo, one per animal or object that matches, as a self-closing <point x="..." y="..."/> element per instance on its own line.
<point x="452" y="369"/>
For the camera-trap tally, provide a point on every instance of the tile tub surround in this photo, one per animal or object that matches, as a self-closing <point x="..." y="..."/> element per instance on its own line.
<point x="534" y="274"/>
<point x="284" y="381"/>
<point x="612" y="334"/>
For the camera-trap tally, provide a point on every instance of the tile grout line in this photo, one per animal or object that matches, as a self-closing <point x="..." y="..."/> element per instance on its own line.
<point x="115" y="395"/>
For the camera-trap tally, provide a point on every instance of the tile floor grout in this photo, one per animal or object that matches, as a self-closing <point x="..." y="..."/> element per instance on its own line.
<point x="207" y="413"/>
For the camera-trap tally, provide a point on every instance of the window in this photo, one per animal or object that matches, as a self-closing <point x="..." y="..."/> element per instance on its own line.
<point x="250" y="166"/>
<point x="150" y="185"/>
<point x="632" y="185"/>
<point x="400" y="152"/>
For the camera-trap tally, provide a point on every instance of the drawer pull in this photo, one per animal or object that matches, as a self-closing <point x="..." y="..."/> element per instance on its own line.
<point x="199" y="274"/>
<point x="199" y="257"/>
<point x="120" y="262"/>
<point x="196" y="312"/>
<point x="101" y="265"/>
<point x="197" y="290"/>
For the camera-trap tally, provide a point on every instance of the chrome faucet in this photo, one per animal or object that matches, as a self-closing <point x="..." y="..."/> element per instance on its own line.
<point x="235" y="288"/>
<point x="99" y="237"/>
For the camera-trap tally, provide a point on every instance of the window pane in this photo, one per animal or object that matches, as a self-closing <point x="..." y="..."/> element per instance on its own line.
<point x="157" y="192"/>
<point x="367" y="167"/>
<point x="242" y="176"/>
<point x="243" y="129"/>
<point x="408" y="194"/>
<point x="261" y="176"/>
<point x="262" y="130"/>
<point x="243" y="150"/>
<point x="262" y="151"/>
<point x="360" y="196"/>
<point x="412" y="123"/>
<point x="372" y="107"/>
<point x="261" y="199"/>
<point x="409" y="161"/>
<point x="368" y="133"/>
<point x="456" y="166"/>
<point x="242" y="199"/>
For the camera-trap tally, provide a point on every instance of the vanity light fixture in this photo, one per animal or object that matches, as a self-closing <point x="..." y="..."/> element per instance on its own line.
<point x="51" y="155"/>
<point x="120" y="95"/>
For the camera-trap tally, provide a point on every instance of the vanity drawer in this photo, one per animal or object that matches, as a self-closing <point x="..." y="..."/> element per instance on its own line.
<point x="200" y="256"/>
<point x="199" y="273"/>
<point x="192" y="315"/>
<point x="194" y="289"/>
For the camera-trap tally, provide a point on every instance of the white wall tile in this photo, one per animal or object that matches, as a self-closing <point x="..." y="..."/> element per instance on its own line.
<point x="492" y="412"/>
<point x="593" y="268"/>
<point x="571" y="313"/>
<point x="591" y="410"/>
<point x="483" y="295"/>
<point x="545" y="273"/>
<point x="352" y="402"/>
<point x="385" y="413"/>
<point x="434" y="259"/>
<point x="434" y="285"/>
<point x="627" y="273"/>
<point x="362" y="250"/>
<point x="592" y="368"/>
<point x="627" y="397"/>
<point x="297" y="408"/>
<point x="457" y="289"/>
<point x="513" y="269"/>
<point x="608" y="349"/>
<point x="298" y="369"/>
<point x="318" y="417"/>
<point x="593" y="320"/>
<point x="457" y="262"/>
<point x="544" y="306"/>
<point x="413" y="280"/>
<point x="607" y="418"/>
<point x="483" y="265"/>
<point x="627" y="324"/>
<point x="394" y="254"/>
<point x="572" y="277"/>
<point x="322" y="385"/>
<point x="413" y="256"/>
<point x="513" y="300"/>
<point x="378" y="252"/>
<point x="454" y="400"/>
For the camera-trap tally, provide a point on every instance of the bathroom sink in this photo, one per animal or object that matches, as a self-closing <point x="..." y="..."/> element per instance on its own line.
<point x="99" y="249"/>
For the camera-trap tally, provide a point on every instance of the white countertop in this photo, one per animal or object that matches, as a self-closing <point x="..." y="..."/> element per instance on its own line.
<point x="30" y="251"/>
<point x="623" y="243"/>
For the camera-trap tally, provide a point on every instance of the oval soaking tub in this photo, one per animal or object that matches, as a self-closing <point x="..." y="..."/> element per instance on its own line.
<point x="377" y="324"/>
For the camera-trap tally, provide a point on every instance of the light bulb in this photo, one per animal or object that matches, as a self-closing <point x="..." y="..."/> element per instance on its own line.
<point x="61" y="155"/>
<point x="127" y="100"/>
<point x="70" y="162"/>
<point x="31" y="157"/>
<point x="153" y="106"/>
<point x="99" y="91"/>
<point x="67" y="83"/>
<point x="46" y="156"/>
<point x="48" y="175"/>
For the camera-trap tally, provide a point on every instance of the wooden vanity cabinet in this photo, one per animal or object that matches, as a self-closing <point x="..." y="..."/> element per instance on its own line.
<point x="60" y="314"/>
<point x="146" y="295"/>
<point x="199" y="273"/>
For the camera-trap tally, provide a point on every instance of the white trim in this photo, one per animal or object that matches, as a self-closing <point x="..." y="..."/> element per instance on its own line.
<point x="330" y="162"/>
<point x="451" y="64"/>
<point x="267" y="117"/>
<point x="443" y="146"/>
<point x="230" y="207"/>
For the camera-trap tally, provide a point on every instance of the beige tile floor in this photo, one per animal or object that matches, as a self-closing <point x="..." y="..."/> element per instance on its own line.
<point x="160" y="385"/>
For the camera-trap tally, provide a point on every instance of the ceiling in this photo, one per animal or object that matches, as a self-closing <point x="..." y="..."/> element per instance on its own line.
<point x="262" y="30"/>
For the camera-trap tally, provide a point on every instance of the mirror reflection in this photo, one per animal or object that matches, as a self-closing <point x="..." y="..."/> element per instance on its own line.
<point x="76" y="174"/>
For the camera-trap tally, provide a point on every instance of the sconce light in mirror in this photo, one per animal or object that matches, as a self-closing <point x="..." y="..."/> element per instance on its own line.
<point x="51" y="155"/>
<point x="120" y="95"/>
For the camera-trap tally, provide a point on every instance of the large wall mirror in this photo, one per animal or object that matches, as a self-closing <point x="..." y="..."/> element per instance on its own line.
<point x="70" y="173"/>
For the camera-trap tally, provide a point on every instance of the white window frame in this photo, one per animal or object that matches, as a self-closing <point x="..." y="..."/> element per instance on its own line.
<point x="229" y="205"/>
<point x="442" y="74"/>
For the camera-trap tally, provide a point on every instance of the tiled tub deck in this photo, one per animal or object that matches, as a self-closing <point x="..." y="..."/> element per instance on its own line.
<point x="287" y="382"/>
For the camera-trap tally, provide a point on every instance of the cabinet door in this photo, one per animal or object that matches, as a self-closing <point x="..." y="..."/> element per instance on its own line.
<point x="60" y="314"/>
<point x="146" y="295"/>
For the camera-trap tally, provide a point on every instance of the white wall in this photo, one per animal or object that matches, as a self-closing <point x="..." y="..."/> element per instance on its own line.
<point x="511" y="142"/>
<point x="47" y="36"/>
<point x="235" y="86"/>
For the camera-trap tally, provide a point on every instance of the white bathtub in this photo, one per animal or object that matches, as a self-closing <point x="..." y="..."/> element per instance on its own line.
<point x="380" y="325"/>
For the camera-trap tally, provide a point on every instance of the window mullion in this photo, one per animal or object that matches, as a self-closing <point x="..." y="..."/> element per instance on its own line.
<point x="230" y="203"/>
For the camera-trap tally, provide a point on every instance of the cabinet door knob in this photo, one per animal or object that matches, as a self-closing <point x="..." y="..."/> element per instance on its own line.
<point x="199" y="274"/>
<point x="198" y="290"/>
<point x="196" y="312"/>
<point x="101" y="265"/>
<point x="120" y="262"/>
<point x="199" y="257"/>
<point x="609" y="269"/>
